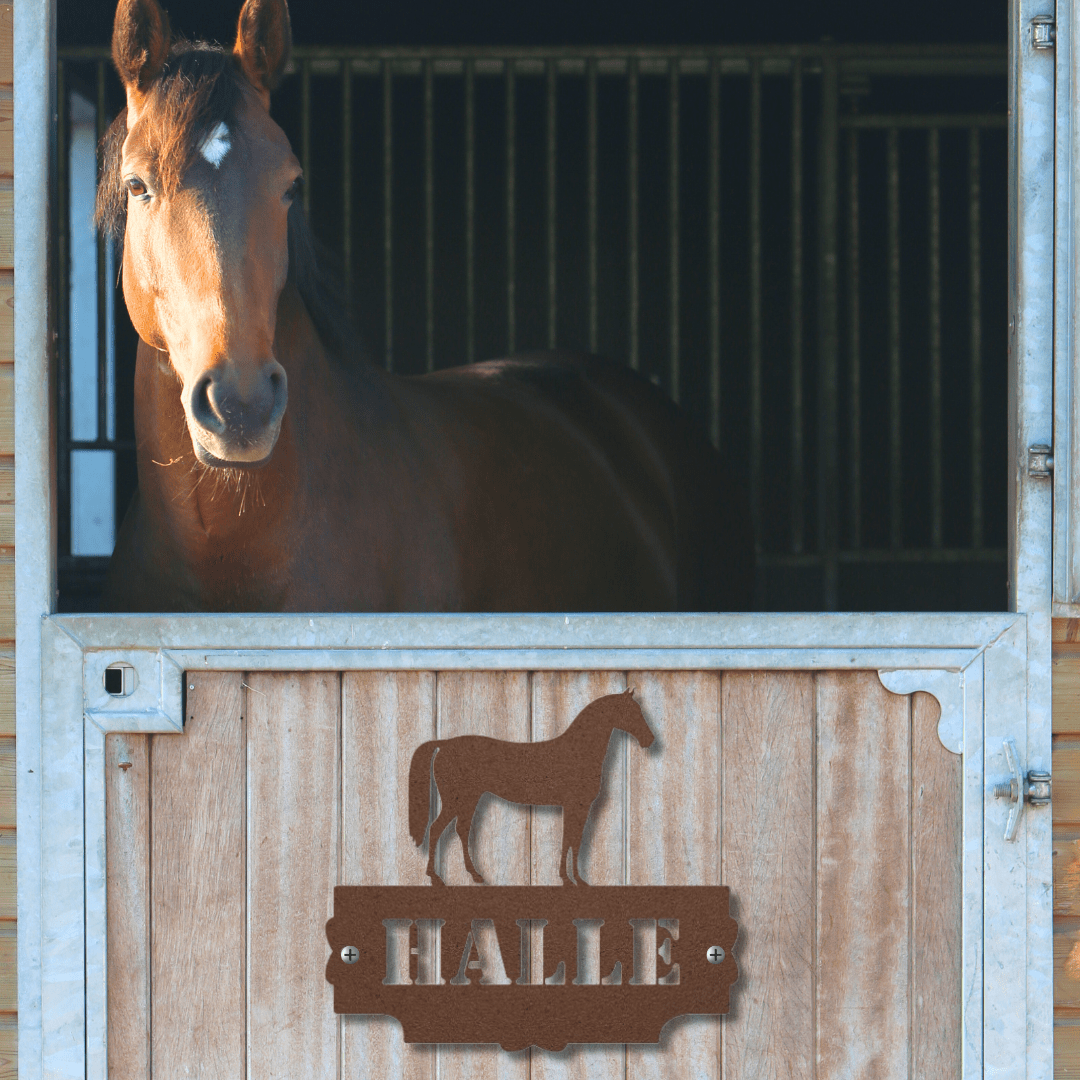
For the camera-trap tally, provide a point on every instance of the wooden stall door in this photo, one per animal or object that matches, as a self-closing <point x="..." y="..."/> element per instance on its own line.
<point x="826" y="803"/>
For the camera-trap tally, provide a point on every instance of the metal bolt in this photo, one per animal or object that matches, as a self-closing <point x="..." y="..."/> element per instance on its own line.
<point x="1043" y="32"/>
<point x="350" y="954"/>
<point x="191" y="686"/>
<point x="1040" y="460"/>
<point x="715" y="955"/>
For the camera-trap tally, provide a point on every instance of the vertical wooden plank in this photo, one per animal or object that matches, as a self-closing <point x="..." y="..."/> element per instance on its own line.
<point x="863" y="878"/>
<point x="8" y="890"/>
<point x="767" y="783"/>
<point x="197" y="886"/>
<point x="494" y="703"/>
<point x="127" y="869"/>
<point x="557" y="698"/>
<point x="936" y="827"/>
<point x="386" y="715"/>
<point x="292" y="845"/>
<point x="674" y="835"/>
<point x="9" y="1047"/>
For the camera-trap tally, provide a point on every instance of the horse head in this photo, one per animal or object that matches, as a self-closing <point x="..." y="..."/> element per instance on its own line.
<point x="634" y="722"/>
<point x="200" y="179"/>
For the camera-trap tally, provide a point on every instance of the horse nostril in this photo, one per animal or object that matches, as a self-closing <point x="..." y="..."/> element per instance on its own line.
<point x="202" y="406"/>
<point x="279" y="386"/>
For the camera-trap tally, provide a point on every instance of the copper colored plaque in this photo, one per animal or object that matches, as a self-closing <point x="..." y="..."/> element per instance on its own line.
<point x="663" y="950"/>
<point x="464" y="1007"/>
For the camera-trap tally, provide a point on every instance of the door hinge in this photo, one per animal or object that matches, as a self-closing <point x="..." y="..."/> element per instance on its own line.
<point x="1040" y="460"/>
<point x="1019" y="789"/>
<point x="1043" y="32"/>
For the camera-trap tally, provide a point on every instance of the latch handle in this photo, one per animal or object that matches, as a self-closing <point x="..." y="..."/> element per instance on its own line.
<point x="1035" y="789"/>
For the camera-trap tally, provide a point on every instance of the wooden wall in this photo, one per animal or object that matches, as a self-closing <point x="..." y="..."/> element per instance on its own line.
<point x="8" y="987"/>
<point x="223" y="845"/>
<point x="1066" y="810"/>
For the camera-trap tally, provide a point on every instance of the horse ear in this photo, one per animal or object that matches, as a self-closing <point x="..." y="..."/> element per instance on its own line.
<point x="263" y="43"/>
<point x="140" y="46"/>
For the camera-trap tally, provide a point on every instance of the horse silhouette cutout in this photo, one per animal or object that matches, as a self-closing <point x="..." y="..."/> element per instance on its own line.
<point x="566" y="771"/>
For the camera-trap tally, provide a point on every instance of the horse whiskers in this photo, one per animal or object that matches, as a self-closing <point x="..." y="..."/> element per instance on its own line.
<point x="240" y="482"/>
<point x="171" y="461"/>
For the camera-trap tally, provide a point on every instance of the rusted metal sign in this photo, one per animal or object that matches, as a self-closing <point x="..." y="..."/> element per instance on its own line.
<point x="440" y="997"/>
<point x="557" y="964"/>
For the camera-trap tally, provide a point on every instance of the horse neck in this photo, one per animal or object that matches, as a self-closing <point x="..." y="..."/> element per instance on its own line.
<point x="590" y="730"/>
<point x="207" y="518"/>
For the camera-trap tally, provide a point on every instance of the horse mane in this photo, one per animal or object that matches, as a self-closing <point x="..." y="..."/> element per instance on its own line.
<point x="198" y="88"/>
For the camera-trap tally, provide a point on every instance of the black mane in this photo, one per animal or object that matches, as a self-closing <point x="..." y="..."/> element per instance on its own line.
<point x="198" y="88"/>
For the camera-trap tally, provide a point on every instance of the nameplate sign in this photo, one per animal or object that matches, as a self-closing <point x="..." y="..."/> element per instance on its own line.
<point x="528" y="965"/>
<point x="471" y="965"/>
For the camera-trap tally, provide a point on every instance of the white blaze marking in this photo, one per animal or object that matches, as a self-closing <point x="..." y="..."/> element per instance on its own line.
<point x="216" y="145"/>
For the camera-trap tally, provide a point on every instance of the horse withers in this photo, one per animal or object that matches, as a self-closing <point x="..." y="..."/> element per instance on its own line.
<point x="279" y="471"/>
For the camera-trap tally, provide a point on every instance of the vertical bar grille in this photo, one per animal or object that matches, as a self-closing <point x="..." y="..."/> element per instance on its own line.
<point x="854" y="351"/>
<point x="558" y="226"/>
<point x="755" y="299"/>
<point x="797" y="434"/>
<point x="896" y="446"/>
<point x="714" y="253"/>
<point x="552" y="221"/>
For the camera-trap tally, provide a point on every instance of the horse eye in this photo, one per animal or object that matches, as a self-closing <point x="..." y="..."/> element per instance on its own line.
<point x="136" y="186"/>
<point x="294" y="189"/>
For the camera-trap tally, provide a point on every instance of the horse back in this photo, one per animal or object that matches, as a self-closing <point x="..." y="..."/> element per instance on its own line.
<point x="629" y="455"/>
<point x="548" y="773"/>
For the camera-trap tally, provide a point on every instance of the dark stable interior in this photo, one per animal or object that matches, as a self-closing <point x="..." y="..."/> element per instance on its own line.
<point x="887" y="584"/>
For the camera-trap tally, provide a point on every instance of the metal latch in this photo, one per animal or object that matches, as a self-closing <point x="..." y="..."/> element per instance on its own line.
<point x="1040" y="460"/>
<point x="1043" y="32"/>
<point x="1035" y="789"/>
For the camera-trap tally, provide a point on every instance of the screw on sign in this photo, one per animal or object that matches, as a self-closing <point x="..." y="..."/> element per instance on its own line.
<point x="715" y="954"/>
<point x="350" y="954"/>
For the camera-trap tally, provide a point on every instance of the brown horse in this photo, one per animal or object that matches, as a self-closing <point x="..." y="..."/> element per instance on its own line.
<point x="531" y="484"/>
<point x="566" y="771"/>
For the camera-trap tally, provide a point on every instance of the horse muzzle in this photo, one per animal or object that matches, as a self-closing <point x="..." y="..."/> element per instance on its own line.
<point x="234" y="423"/>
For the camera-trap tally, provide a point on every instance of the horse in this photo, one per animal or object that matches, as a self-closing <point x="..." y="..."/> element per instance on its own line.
<point x="566" y="771"/>
<point x="279" y="470"/>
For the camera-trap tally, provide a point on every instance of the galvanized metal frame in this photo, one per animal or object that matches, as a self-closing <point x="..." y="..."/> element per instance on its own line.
<point x="975" y="665"/>
<point x="1066" y="344"/>
<point x="996" y="665"/>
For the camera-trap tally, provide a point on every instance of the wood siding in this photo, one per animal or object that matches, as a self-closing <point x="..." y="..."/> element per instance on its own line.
<point x="8" y="981"/>
<point x="285" y="784"/>
<point x="1066" y="811"/>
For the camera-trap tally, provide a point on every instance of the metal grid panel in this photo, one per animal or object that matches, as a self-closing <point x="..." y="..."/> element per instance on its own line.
<point x="480" y="189"/>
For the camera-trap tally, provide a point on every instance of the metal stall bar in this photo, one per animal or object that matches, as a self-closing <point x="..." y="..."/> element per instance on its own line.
<point x="429" y="215"/>
<point x="828" y="540"/>
<point x="63" y="343"/>
<point x="552" y="223"/>
<point x="103" y="284"/>
<point x="305" y="130"/>
<point x="798" y="449"/>
<point x="673" y="225"/>
<point x="854" y="348"/>
<point x="590" y="180"/>
<point x="896" y="446"/>
<point x="975" y="301"/>
<point x="632" y="304"/>
<point x="933" y="158"/>
<point x="755" y="299"/>
<point x="346" y="174"/>
<point x="511" y="209"/>
<point x="470" y="211"/>
<point x="388" y="210"/>
<point x="714" y="252"/>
